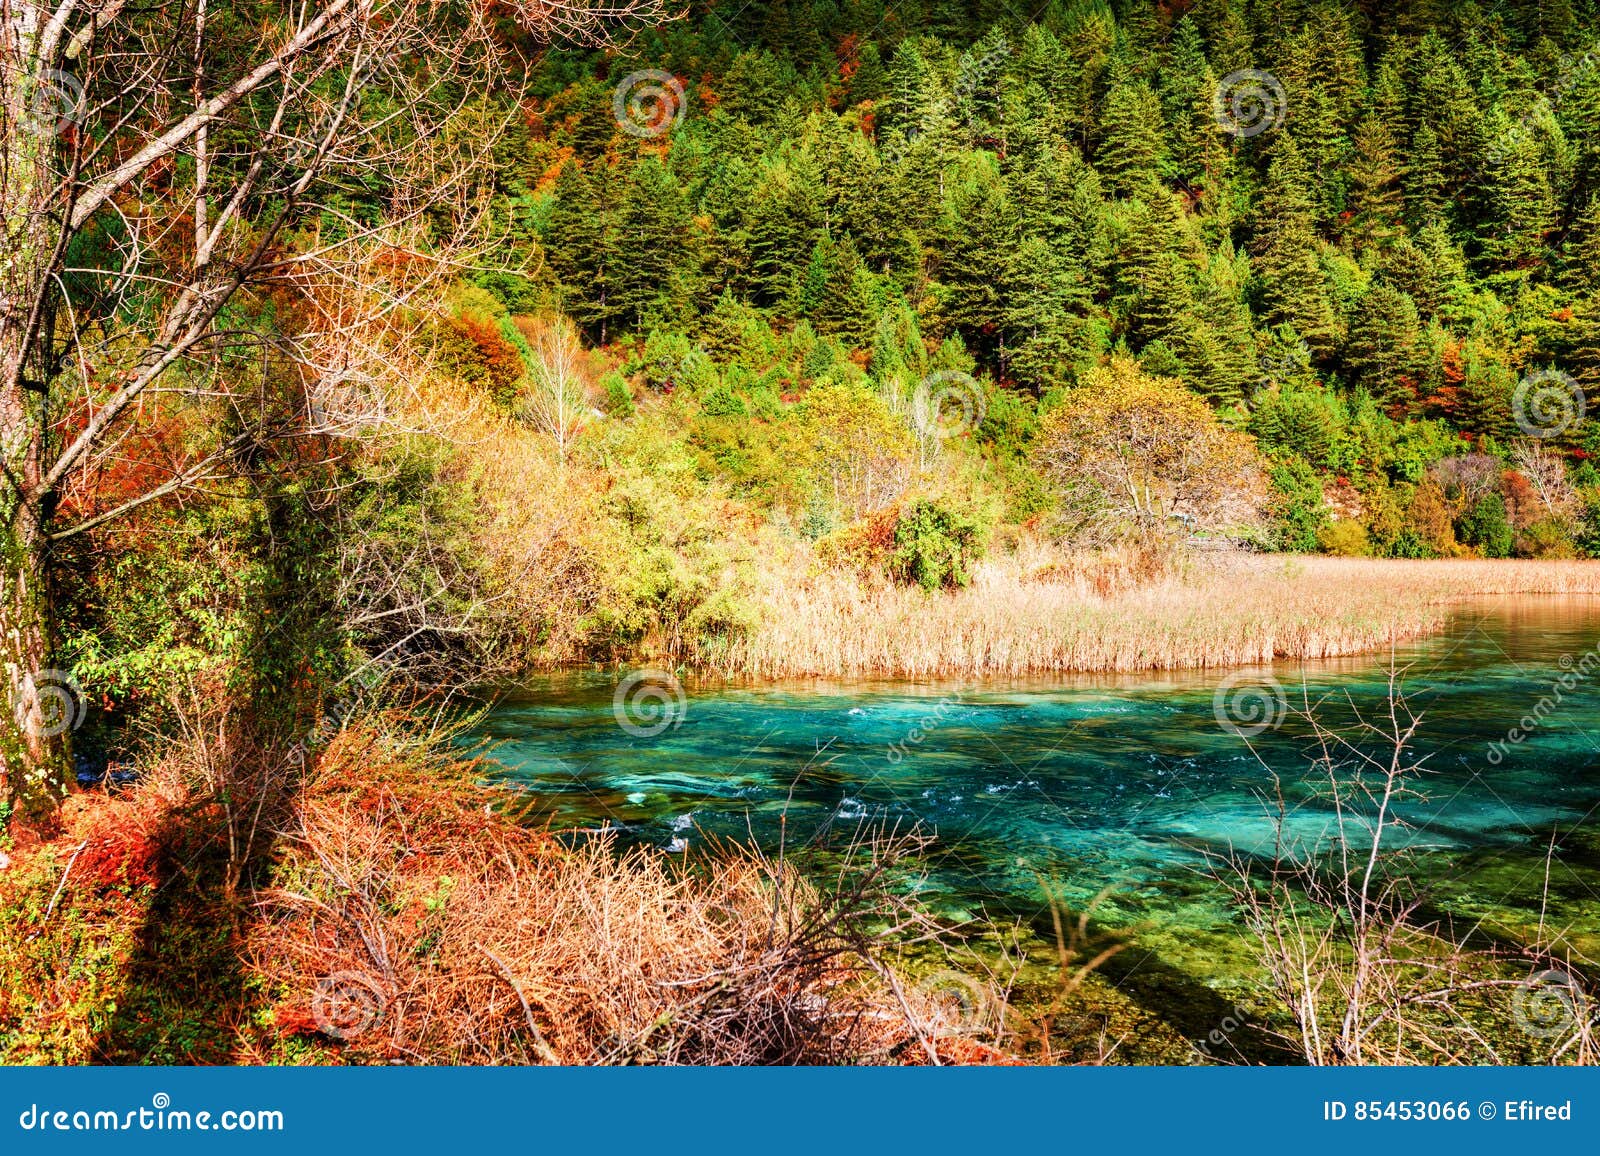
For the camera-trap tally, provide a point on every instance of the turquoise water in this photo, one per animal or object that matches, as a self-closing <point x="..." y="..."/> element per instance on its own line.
<point x="1107" y="786"/>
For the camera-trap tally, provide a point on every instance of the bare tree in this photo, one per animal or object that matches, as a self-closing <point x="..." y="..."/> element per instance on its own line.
<point x="1547" y="475"/>
<point x="1366" y="974"/>
<point x="174" y="179"/>
<point x="559" y="402"/>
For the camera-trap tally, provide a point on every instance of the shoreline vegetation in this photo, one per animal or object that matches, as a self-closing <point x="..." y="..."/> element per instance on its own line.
<point x="1207" y="611"/>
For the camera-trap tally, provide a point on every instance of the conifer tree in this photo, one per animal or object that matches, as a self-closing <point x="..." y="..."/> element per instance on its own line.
<point x="1424" y="178"/>
<point x="1375" y="197"/>
<point x="656" y="277"/>
<point x="583" y="246"/>
<point x="1580" y="252"/>
<point x="849" y="307"/>
<point x="913" y="105"/>
<point x="1131" y="142"/>
<point x="1047" y="336"/>
<point x="981" y="228"/>
<point x="1384" y="348"/>
<point x="783" y="222"/>
<point x="1521" y="207"/>
<point x="1292" y="287"/>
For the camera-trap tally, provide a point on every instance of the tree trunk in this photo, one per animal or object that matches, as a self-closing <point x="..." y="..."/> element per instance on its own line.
<point x="44" y="704"/>
<point x="41" y="704"/>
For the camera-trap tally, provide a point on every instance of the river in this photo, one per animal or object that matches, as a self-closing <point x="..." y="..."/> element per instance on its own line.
<point x="1113" y="793"/>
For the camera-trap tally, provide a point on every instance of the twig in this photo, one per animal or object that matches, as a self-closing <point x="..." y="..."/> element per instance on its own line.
<point x="546" y="1052"/>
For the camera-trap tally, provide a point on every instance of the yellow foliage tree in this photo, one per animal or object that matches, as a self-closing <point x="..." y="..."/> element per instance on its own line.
<point x="1139" y="455"/>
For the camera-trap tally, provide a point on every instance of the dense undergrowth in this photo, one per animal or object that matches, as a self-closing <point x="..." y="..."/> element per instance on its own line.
<point x="397" y="913"/>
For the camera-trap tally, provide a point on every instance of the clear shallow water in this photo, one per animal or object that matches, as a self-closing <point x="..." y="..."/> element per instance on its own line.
<point x="1105" y="784"/>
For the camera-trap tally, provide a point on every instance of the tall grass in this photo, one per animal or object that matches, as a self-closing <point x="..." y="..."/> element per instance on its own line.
<point x="1026" y="614"/>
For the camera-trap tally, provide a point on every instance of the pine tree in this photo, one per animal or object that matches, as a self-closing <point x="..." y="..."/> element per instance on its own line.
<point x="1520" y="213"/>
<point x="1375" y="198"/>
<point x="1187" y="88"/>
<point x="1424" y="178"/>
<point x="656" y="275"/>
<point x="1583" y="356"/>
<point x="1223" y="360"/>
<point x="582" y="244"/>
<point x="1384" y="349"/>
<point x="1131" y="142"/>
<point x="868" y="78"/>
<point x="914" y="104"/>
<point x="1579" y="114"/>
<point x="1153" y="274"/>
<point x="1580" y="253"/>
<point x="981" y="227"/>
<point x="1292" y="288"/>
<point x="783" y="222"/>
<point x="849" y="306"/>
<point x="1047" y="335"/>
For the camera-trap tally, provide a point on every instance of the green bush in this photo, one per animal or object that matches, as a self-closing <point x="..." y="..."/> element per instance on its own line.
<point x="934" y="547"/>
<point x="1484" y="527"/>
<point x="619" y="398"/>
<point x="722" y="401"/>
<point x="1346" y="538"/>
<point x="1546" y="538"/>
<point x="1299" y="509"/>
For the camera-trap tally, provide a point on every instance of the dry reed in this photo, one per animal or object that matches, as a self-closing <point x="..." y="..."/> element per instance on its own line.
<point x="1023" y="614"/>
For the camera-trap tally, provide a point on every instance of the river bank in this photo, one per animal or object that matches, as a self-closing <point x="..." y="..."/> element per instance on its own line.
<point x="1031" y="614"/>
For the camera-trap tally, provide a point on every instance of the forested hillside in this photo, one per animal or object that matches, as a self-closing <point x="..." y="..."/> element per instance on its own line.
<point x="1367" y="235"/>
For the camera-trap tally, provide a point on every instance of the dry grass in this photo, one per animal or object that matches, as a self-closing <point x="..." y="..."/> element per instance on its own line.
<point x="413" y="920"/>
<point x="395" y="913"/>
<point x="1029" y="613"/>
